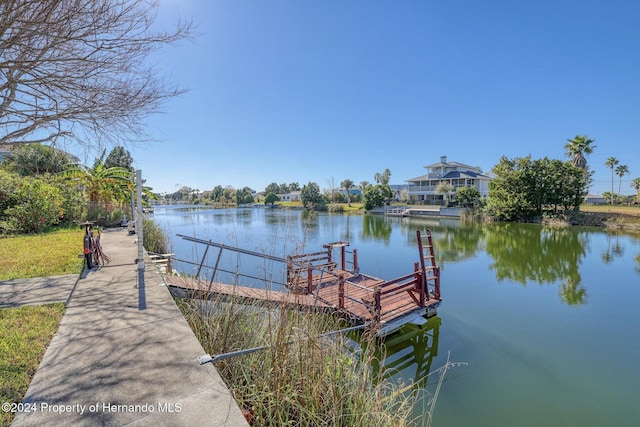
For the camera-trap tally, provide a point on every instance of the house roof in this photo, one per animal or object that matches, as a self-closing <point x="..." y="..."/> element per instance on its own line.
<point x="451" y="175"/>
<point x="463" y="174"/>
<point x="450" y="164"/>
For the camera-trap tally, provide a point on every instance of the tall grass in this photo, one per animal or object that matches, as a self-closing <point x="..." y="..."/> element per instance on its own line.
<point x="301" y="378"/>
<point x="153" y="237"/>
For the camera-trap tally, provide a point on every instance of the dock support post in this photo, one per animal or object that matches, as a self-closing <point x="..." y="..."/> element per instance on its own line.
<point x="342" y="258"/>
<point x="355" y="261"/>
<point x="377" y="294"/>
<point x="309" y="280"/>
<point x="341" y="292"/>
<point x="421" y="284"/>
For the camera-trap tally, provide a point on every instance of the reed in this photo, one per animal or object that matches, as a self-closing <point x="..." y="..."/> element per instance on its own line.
<point x="301" y="377"/>
<point x="153" y="237"/>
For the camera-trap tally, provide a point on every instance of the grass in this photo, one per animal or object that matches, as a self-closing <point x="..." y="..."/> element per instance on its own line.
<point x="154" y="237"/>
<point x="51" y="254"/>
<point x="615" y="209"/>
<point x="25" y="333"/>
<point x="300" y="378"/>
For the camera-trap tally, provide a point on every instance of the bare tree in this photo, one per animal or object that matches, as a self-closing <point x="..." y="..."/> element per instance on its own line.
<point x="79" y="70"/>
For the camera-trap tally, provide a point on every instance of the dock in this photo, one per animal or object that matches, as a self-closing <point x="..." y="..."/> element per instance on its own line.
<point x="330" y="281"/>
<point x="422" y="211"/>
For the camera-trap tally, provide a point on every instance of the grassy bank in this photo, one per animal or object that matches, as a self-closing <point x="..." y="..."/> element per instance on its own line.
<point x="300" y="378"/>
<point x="25" y="333"/>
<point x="50" y="254"/>
<point x="615" y="209"/>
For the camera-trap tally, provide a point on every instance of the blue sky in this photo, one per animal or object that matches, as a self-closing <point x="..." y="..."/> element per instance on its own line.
<point x="322" y="91"/>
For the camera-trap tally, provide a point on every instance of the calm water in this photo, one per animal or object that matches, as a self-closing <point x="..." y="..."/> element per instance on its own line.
<point x="548" y="320"/>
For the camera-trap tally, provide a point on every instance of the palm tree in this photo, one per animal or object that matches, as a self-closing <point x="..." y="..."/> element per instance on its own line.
<point x="621" y="171"/>
<point x="611" y="163"/>
<point x="577" y="148"/>
<point x="347" y="184"/>
<point x="636" y="185"/>
<point x="102" y="184"/>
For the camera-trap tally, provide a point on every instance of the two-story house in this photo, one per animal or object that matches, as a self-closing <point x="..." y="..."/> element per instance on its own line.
<point x="422" y="189"/>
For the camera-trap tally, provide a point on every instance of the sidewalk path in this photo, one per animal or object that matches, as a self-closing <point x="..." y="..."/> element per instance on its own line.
<point x="124" y="355"/>
<point x="41" y="290"/>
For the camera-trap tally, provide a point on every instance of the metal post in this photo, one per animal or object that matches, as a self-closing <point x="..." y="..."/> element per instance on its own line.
<point x="133" y="198"/>
<point x="139" y="232"/>
<point x="202" y="262"/>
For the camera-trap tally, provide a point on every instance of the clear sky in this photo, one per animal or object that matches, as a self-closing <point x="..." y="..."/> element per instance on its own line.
<point x="327" y="90"/>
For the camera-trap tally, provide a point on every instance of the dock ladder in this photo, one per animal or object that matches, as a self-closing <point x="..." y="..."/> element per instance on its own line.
<point x="430" y="271"/>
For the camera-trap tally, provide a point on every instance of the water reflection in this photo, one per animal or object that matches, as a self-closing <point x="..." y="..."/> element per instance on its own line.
<point x="526" y="252"/>
<point x="612" y="251"/>
<point x="409" y="352"/>
<point x="454" y="244"/>
<point x="376" y="227"/>
<point x="521" y="253"/>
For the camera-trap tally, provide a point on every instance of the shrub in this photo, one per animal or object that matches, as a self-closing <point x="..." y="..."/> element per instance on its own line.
<point x="336" y="208"/>
<point x="28" y="205"/>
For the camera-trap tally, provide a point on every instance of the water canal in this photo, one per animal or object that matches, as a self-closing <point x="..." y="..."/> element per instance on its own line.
<point x="548" y="320"/>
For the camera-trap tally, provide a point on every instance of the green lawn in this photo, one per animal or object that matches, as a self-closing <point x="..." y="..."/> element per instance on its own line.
<point x="25" y="332"/>
<point x="50" y="254"/>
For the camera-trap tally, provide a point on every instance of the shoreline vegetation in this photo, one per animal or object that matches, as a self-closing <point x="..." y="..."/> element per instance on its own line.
<point x="300" y="376"/>
<point x="314" y="380"/>
<point x="619" y="217"/>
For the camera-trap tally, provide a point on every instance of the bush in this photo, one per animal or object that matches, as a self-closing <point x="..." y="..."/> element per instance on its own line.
<point x="73" y="200"/>
<point x="106" y="214"/>
<point x="335" y="208"/>
<point x="27" y="205"/>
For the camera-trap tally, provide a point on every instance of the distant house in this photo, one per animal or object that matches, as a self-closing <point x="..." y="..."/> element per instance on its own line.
<point x="290" y="197"/>
<point x="352" y="192"/>
<point x="595" y="199"/>
<point x="422" y="189"/>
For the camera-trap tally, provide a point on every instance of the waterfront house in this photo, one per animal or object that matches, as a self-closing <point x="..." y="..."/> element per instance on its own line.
<point x="422" y="189"/>
<point x="291" y="196"/>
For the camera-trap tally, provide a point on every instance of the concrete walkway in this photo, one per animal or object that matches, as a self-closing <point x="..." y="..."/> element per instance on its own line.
<point x="124" y="355"/>
<point x="41" y="290"/>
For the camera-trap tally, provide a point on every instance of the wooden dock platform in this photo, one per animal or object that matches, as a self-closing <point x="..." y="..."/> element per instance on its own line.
<point x="320" y="281"/>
